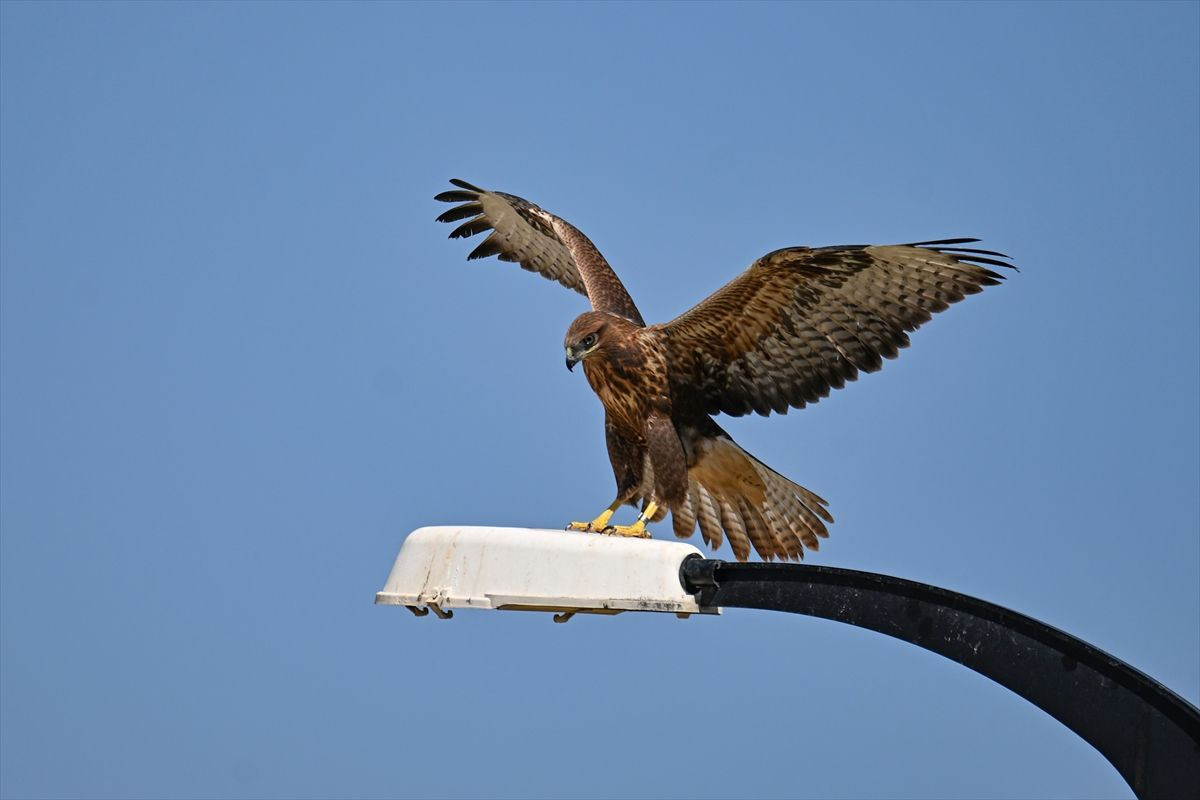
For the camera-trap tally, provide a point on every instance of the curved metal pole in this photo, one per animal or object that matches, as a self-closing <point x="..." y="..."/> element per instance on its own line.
<point x="1150" y="734"/>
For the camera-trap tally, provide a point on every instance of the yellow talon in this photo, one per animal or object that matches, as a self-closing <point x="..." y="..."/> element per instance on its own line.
<point x="599" y="524"/>
<point x="638" y="528"/>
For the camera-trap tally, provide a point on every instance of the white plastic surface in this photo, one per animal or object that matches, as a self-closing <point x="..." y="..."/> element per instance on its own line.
<point x="444" y="568"/>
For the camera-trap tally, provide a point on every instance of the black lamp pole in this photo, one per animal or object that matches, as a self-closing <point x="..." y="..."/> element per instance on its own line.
<point x="1149" y="733"/>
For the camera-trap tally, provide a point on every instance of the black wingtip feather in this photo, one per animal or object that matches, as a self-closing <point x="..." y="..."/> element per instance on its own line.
<point x="489" y="247"/>
<point x="455" y="196"/>
<point x="937" y="242"/>
<point x="460" y="183"/>
<point x="972" y="250"/>
<point x="969" y="254"/>
<point x="460" y="212"/>
<point x="984" y="260"/>
<point x="470" y="228"/>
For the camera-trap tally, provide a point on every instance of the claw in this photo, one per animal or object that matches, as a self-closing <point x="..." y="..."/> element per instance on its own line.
<point x="637" y="530"/>
<point x="599" y="524"/>
<point x="588" y="527"/>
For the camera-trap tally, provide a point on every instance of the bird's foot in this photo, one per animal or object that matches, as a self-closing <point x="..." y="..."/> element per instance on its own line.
<point x="589" y="527"/>
<point x="599" y="524"/>
<point x="637" y="530"/>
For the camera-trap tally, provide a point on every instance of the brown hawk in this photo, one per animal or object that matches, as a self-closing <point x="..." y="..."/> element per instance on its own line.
<point x="799" y="322"/>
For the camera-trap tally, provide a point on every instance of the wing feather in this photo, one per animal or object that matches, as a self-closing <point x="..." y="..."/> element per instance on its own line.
<point x="459" y="212"/>
<point x="803" y="321"/>
<point x="469" y="228"/>
<point x="537" y="240"/>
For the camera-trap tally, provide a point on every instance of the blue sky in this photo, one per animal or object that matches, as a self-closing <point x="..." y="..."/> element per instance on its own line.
<point x="240" y="362"/>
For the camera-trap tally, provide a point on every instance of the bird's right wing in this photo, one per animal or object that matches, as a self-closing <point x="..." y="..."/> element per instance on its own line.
<point x="802" y="321"/>
<point x="539" y="241"/>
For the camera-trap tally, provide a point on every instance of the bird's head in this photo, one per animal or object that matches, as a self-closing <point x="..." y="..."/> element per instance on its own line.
<point x="585" y="337"/>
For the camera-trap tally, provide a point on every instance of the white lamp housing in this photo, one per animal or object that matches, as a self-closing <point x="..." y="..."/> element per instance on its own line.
<point x="443" y="568"/>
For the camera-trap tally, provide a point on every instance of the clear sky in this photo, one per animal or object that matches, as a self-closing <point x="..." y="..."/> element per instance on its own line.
<point x="240" y="362"/>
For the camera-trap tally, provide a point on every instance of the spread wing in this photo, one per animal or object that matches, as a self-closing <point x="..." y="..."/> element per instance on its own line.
<point x="539" y="241"/>
<point x="802" y="321"/>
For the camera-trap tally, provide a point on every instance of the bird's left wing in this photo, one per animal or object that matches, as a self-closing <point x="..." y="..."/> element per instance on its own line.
<point x="539" y="241"/>
<point x="802" y="321"/>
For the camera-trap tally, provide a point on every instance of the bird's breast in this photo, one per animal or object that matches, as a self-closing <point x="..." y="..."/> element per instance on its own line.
<point x="625" y="393"/>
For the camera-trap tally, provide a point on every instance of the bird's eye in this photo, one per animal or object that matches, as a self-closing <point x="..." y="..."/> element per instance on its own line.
<point x="589" y="340"/>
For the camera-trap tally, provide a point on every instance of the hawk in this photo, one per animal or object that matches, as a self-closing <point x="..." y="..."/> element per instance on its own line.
<point x="797" y="323"/>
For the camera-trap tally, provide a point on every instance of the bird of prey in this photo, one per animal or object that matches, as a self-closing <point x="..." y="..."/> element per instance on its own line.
<point x="799" y="322"/>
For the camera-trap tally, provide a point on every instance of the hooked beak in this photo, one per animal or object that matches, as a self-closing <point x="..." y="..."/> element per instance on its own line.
<point x="571" y="360"/>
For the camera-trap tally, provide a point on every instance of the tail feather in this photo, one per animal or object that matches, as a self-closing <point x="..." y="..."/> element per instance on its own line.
<point x="761" y="535"/>
<point x="735" y="529"/>
<point x="710" y="521"/>
<point x="683" y="517"/>
<point x="732" y="494"/>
